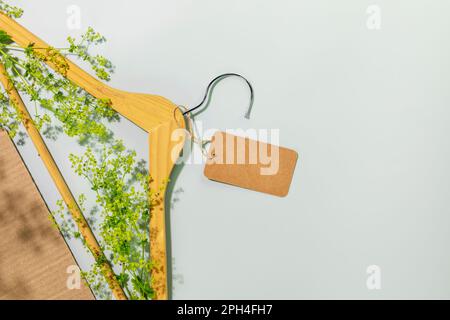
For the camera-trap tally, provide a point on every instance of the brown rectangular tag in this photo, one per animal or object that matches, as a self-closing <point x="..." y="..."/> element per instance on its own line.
<point x="250" y="164"/>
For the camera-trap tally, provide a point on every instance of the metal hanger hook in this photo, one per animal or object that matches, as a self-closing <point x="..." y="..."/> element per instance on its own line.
<point x="215" y="81"/>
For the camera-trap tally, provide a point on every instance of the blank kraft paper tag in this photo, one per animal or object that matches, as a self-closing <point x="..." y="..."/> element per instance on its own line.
<point x="250" y="164"/>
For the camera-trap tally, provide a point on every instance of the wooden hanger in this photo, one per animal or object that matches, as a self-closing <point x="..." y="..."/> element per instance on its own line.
<point x="155" y="114"/>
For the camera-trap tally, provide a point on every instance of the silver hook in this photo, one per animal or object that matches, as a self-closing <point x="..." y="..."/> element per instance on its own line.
<point x="215" y="81"/>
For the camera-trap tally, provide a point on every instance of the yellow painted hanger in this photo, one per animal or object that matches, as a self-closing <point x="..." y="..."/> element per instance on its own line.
<point x="155" y="114"/>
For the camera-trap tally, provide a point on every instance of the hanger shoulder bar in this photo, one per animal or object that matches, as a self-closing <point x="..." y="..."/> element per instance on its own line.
<point x="165" y="146"/>
<point x="24" y="38"/>
<point x="146" y="111"/>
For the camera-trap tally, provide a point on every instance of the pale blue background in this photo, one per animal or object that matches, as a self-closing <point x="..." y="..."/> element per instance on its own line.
<point x="367" y="110"/>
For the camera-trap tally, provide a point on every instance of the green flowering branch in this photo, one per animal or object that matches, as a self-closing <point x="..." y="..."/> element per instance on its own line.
<point x="123" y="194"/>
<point x="11" y="11"/>
<point x="120" y="182"/>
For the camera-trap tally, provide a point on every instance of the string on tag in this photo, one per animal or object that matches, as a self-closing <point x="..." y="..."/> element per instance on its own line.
<point x="193" y="132"/>
<point x="192" y="128"/>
